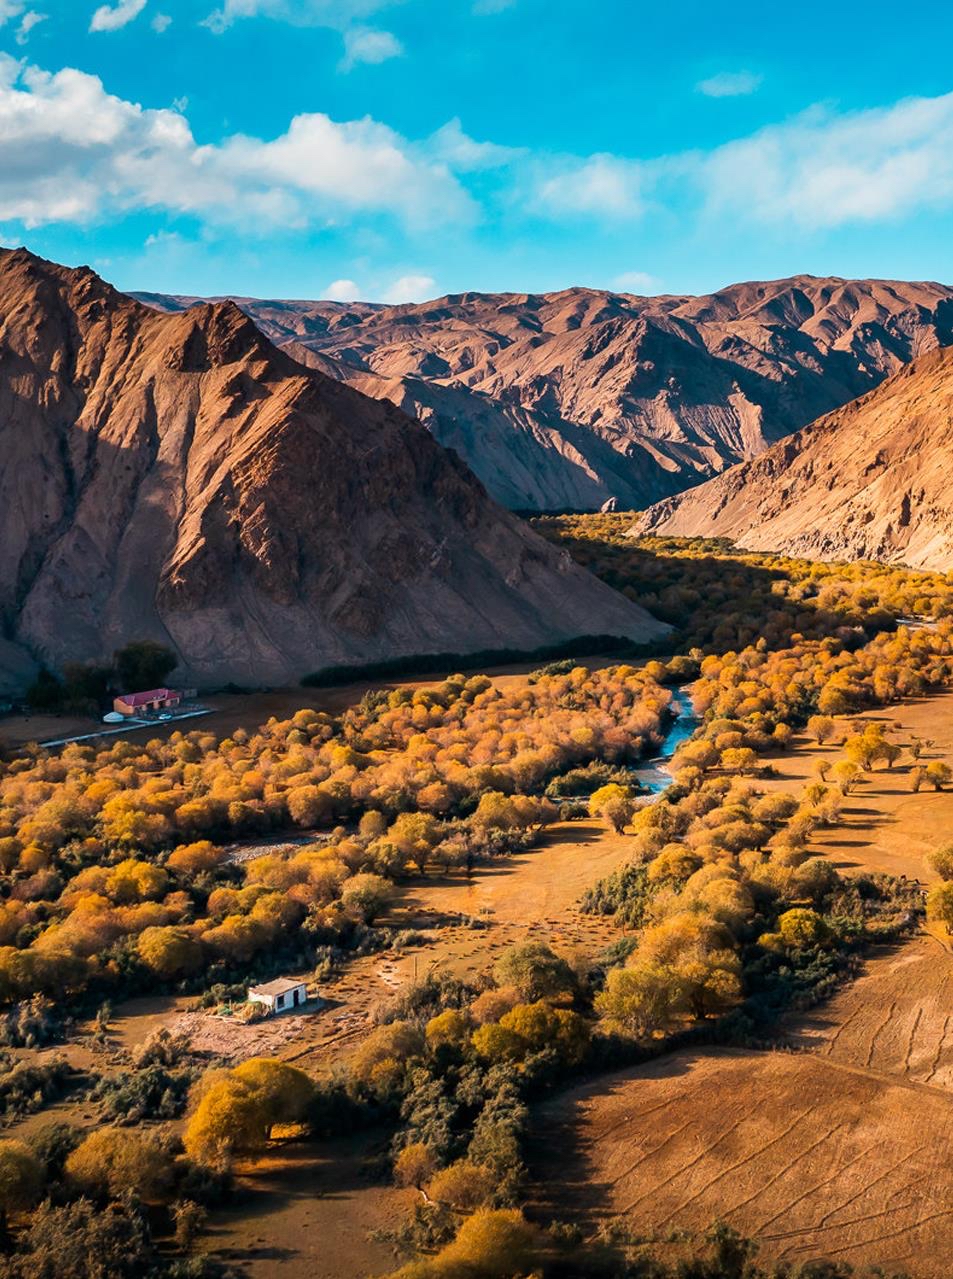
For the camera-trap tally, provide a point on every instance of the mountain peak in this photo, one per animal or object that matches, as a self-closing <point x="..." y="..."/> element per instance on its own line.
<point x="190" y="483"/>
<point x="569" y="399"/>
<point x="870" y="481"/>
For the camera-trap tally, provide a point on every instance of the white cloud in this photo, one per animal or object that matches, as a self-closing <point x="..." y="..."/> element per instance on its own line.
<point x="465" y="155"/>
<point x="820" y="169"/>
<point x="29" y="20"/>
<point x="69" y="151"/>
<point x="337" y="14"/>
<point x="366" y="44"/>
<point x="600" y="185"/>
<point x="342" y="291"/>
<point x="10" y="9"/>
<point x="163" y="239"/>
<point x="635" y="282"/>
<point x="161" y="22"/>
<point x="112" y="17"/>
<point x="730" y="84"/>
<point x="410" y="288"/>
<point x="823" y="170"/>
<point x="358" y="165"/>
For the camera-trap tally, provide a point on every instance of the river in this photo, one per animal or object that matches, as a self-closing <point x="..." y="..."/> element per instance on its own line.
<point x="654" y="775"/>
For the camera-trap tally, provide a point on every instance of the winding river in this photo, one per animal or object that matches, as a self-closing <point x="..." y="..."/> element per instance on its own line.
<point x="654" y="774"/>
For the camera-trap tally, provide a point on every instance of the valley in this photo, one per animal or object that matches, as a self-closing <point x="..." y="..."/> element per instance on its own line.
<point x="476" y="641"/>
<point x="780" y="1143"/>
<point x="595" y="952"/>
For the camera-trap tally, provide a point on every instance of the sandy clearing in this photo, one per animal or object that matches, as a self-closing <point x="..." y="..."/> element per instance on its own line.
<point x="812" y="1158"/>
<point x="885" y="827"/>
<point x="841" y="1149"/>
<point x="896" y="1019"/>
<point x="534" y="894"/>
<point x="307" y="1210"/>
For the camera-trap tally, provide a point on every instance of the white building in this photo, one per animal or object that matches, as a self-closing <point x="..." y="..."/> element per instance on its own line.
<point x="279" y="995"/>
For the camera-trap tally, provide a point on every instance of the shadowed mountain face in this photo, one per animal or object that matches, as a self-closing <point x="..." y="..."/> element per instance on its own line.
<point x="871" y="481"/>
<point x="567" y="400"/>
<point x="177" y="477"/>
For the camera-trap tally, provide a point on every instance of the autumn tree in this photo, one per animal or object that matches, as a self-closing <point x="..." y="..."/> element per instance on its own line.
<point x="535" y="970"/>
<point x="463" y="1186"/>
<point x="113" y="1161"/>
<point x="539" y="1025"/>
<point x="941" y="861"/>
<point x="940" y="904"/>
<point x="448" y="1029"/>
<point x="21" y="1179"/>
<point x="801" y="927"/>
<point x="367" y="895"/>
<point x="284" y="1091"/>
<point x="170" y="952"/>
<point x="490" y="1243"/>
<point x="614" y="804"/>
<point x="821" y="728"/>
<point x="415" y="1165"/>
<point x="641" y="999"/>
<point x="229" y="1118"/>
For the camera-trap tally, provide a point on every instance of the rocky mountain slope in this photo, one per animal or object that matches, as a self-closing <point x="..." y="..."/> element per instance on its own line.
<point x="873" y="480"/>
<point x="177" y="477"/>
<point x="567" y="400"/>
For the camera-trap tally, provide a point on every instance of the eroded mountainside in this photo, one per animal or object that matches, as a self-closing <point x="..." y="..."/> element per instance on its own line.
<point x="177" y="477"/>
<point x="873" y="480"/>
<point x="567" y="400"/>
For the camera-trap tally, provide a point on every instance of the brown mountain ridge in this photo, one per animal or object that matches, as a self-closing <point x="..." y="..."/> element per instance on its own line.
<point x="177" y="477"/>
<point x="567" y="400"/>
<point x="871" y="481"/>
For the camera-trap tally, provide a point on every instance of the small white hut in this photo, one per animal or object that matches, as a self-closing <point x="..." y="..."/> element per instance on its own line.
<point x="279" y="995"/>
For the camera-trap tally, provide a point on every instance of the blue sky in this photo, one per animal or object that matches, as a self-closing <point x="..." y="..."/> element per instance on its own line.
<point x="401" y="149"/>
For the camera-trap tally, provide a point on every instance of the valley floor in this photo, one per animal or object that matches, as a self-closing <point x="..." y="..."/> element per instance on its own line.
<point x="839" y="1146"/>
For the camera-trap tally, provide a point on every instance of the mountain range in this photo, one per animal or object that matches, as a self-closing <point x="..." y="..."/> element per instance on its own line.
<point x="574" y="399"/>
<point x="177" y="477"/>
<point x="872" y="481"/>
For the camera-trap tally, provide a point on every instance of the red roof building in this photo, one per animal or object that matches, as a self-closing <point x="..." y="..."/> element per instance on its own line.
<point x="156" y="699"/>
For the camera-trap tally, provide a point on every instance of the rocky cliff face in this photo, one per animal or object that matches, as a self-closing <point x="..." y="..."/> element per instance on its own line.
<point x="874" y="480"/>
<point x="176" y="477"/>
<point x="567" y="400"/>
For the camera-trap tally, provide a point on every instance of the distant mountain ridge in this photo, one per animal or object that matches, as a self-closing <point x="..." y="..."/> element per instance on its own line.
<point x="872" y="481"/>
<point x="567" y="400"/>
<point x="177" y="477"/>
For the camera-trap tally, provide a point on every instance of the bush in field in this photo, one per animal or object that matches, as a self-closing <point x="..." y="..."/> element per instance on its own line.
<point x="21" y="1179"/>
<point x="614" y="804"/>
<point x="489" y="1244"/>
<point x="463" y="1186"/>
<point x="415" y="1165"/>
<point x="940" y="904"/>
<point x="940" y="861"/>
<point x="85" y="1241"/>
<point x="535" y="971"/>
<point x="367" y="895"/>
<point x="938" y="774"/>
<point x="113" y="1161"/>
